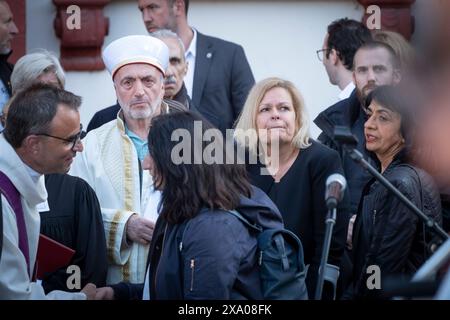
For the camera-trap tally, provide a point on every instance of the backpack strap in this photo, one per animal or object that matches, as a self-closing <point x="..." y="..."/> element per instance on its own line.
<point x="278" y="239"/>
<point x="253" y="227"/>
<point x="12" y="195"/>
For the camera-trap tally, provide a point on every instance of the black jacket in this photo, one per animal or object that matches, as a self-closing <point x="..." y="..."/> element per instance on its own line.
<point x="347" y="113"/>
<point x="300" y="197"/>
<point x="75" y="220"/>
<point x="110" y="113"/>
<point x="6" y="69"/>
<point x="222" y="80"/>
<point x="386" y="232"/>
<point x="218" y="259"/>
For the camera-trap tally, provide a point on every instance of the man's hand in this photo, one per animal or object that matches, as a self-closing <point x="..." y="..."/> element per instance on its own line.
<point x="89" y="290"/>
<point x="105" y="293"/>
<point x="140" y="229"/>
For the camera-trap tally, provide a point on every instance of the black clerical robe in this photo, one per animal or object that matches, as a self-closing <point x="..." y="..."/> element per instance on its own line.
<point x="75" y="220"/>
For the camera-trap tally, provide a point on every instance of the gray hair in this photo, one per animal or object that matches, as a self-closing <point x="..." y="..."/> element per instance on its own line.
<point x="28" y="69"/>
<point x="166" y="33"/>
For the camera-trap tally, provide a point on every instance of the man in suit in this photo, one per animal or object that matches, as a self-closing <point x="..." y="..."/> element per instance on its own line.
<point x="343" y="38"/>
<point x="219" y="76"/>
<point x="8" y="31"/>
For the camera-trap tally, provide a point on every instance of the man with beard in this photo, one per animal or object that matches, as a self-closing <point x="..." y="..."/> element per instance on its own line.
<point x="174" y="88"/>
<point x="112" y="162"/>
<point x="374" y="64"/>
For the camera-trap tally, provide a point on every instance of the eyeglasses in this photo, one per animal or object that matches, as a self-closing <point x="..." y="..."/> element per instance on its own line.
<point x="74" y="140"/>
<point x="320" y="53"/>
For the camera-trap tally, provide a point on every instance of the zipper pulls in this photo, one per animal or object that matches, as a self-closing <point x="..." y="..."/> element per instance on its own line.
<point x="374" y="216"/>
<point x="192" y="274"/>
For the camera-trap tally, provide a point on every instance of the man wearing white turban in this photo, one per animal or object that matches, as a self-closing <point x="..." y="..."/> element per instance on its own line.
<point x="114" y="152"/>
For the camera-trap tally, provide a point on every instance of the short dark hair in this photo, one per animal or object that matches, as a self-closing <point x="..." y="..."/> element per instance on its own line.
<point x="188" y="187"/>
<point x="377" y="44"/>
<point x="346" y="36"/>
<point x="32" y="110"/>
<point x="396" y="100"/>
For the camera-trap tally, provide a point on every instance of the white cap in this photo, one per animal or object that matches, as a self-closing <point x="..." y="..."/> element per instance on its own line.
<point x="136" y="49"/>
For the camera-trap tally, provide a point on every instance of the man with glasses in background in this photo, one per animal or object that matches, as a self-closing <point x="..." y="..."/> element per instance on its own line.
<point x="344" y="37"/>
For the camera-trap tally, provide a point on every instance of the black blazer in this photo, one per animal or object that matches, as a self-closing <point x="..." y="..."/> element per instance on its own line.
<point x="222" y="80"/>
<point x="6" y="69"/>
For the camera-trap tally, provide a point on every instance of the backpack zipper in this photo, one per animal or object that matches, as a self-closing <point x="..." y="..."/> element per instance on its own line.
<point x="192" y="274"/>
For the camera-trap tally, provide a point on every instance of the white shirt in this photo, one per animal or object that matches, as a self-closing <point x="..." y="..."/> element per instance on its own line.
<point x="347" y="91"/>
<point x="190" y="54"/>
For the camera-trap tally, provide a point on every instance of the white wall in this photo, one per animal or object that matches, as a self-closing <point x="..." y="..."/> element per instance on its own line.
<point x="280" y="38"/>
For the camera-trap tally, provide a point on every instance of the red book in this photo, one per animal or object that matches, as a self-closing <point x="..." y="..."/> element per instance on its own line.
<point x="51" y="256"/>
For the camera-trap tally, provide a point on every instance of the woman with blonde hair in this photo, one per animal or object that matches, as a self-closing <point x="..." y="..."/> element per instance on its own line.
<point x="274" y="128"/>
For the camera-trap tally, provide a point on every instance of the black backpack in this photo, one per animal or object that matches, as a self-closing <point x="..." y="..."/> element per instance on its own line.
<point x="281" y="263"/>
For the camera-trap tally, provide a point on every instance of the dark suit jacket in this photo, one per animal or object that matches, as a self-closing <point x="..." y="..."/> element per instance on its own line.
<point x="222" y="80"/>
<point x="6" y="69"/>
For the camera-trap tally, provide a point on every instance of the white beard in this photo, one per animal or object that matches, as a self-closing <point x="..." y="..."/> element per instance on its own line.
<point x="146" y="113"/>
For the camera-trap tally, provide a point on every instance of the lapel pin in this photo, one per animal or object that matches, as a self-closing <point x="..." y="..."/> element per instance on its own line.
<point x="209" y="55"/>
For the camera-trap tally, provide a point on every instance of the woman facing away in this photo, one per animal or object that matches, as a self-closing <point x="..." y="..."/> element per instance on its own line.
<point x="387" y="234"/>
<point x="199" y="250"/>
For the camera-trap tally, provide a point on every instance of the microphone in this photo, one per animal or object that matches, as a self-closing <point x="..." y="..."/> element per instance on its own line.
<point x="335" y="187"/>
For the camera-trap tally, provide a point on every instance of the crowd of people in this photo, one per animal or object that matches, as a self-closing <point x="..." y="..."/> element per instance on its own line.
<point x="148" y="219"/>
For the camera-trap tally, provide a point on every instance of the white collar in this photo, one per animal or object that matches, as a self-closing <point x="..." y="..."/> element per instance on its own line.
<point x="33" y="173"/>
<point x="344" y="94"/>
<point x="192" y="50"/>
<point x="29" y="183"/>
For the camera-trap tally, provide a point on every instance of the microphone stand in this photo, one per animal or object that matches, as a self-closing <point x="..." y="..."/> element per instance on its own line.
<point x="330" y="221"/>
<point x="430" y="267"/>
<point x="430" y="223"/>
